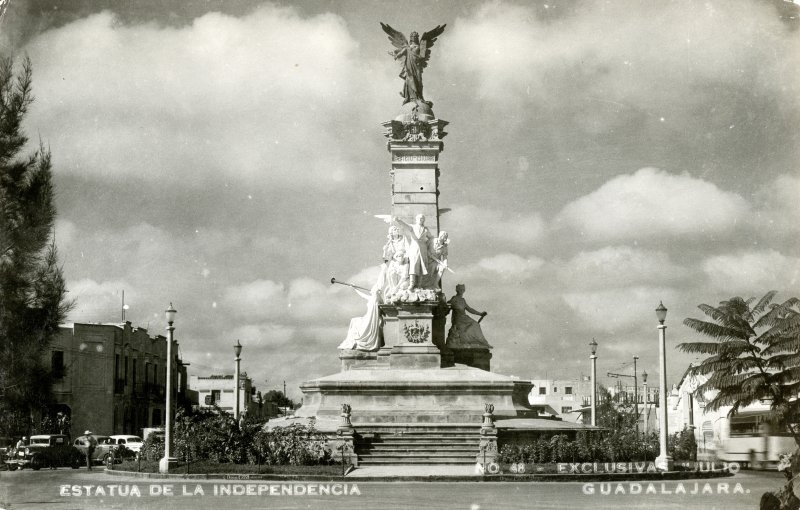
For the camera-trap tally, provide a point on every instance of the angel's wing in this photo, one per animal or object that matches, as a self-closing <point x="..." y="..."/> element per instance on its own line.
<point x="427" y="40"/>
<point x="397" y="38"/>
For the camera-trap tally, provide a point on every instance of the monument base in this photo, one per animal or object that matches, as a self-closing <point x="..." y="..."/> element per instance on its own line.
<point x="456" y="394"/>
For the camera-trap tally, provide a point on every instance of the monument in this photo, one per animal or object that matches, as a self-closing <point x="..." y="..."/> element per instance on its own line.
<point x="407" y="392"/>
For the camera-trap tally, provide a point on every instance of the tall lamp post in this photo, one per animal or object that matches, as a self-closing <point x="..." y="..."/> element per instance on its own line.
<point x="163" y="464"/>
<point x="663" y="461"/>
<point x="646" y="410"/>
<point x="593" y="357"/>
<point x="237" y="350"/>
<point x="636" y="394"/>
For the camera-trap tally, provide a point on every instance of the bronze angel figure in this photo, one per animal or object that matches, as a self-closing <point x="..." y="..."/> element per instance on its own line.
<point x="414" y="54"/>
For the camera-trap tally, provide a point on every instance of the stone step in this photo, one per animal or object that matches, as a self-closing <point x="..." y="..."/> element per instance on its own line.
<point x="417" y="448"/>
<point x="415" y="444"/>
<point x="369" y="461"/>
<point x="422" y="453"/>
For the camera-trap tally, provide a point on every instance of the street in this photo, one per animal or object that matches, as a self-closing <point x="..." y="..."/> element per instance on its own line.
<point x="78" y="489"/>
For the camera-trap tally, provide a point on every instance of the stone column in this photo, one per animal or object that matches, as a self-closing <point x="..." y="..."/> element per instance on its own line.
<point x="415" y="142"/>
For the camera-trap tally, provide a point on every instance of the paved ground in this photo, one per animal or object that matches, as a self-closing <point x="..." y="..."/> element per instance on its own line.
<point x="66" y="489"/>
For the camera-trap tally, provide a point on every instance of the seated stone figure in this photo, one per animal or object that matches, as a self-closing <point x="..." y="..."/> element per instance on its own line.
<point x="464" y="331"/>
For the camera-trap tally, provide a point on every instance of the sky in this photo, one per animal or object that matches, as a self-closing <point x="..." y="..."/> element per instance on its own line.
<point x="227" y="157"/>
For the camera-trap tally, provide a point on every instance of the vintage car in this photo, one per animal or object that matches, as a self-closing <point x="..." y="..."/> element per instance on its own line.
<point x="132" y="443"/>
<point x="46" y="450"/>
<point x="106" y="449"/>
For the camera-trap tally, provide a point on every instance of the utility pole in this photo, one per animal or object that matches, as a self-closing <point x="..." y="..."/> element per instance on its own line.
<point x="635" y="389"/>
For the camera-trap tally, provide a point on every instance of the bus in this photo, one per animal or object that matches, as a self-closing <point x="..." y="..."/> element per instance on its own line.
<point x="750" y="438"/>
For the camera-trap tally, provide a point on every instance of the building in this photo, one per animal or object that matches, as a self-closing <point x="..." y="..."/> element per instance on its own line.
<point x="571" y="400"/>
<point x="217" y="390"/>
<point x="111" y="378"/>
<point x="567" y="399"/>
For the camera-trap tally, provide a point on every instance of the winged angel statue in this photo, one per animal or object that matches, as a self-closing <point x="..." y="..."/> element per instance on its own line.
<point x="415" y="54"/>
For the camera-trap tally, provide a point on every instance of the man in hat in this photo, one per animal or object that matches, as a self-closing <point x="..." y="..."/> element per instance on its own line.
<point x="91" y="444"/>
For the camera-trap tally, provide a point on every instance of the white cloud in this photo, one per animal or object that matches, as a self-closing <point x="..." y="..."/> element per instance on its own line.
<point x="257" y="300"/>
<point x="621" y="52"/>
<point x="99" y="301"/>
<point x="507" y="266"/>
<point x="489" y="226"/>
<point x="238" y="97"/>
<point x="777" y="206"/>
<point x="618" y="310"/>
<point x="653" y="203"/>
<point x="754" y="272"/>
<point x="613" y="266"/>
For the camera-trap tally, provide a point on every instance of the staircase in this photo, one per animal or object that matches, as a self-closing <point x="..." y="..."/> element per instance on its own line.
<point x="414" y="443"/>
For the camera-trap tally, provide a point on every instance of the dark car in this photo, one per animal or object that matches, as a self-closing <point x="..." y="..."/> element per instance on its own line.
<point x="105" y="450"/>
<point x="46" y="450"/>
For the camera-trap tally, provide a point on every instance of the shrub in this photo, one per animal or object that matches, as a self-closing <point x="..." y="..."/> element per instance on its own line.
<point x="153" y="447"/>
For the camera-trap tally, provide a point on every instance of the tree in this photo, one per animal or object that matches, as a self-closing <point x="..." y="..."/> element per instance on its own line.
<point x="32" y="289"/>
<point x="279" y="399"/>
<point x="754" y="355"/>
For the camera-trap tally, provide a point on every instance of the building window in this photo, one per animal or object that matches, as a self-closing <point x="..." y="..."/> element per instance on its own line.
<point x="216" y="396"/>
<point x="542" y="391"/>
<point x="134" y="373"/>
<point x="57" y="364"/>
<point x="555" y="389"/>
<point x="566" y="409"/>
<point x="568" y="390"/>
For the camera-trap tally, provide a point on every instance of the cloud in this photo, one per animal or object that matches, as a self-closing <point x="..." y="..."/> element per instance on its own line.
<point x="653" y="203"/>
<point x="506" y="266"/>
<point x="753" y="272"/>
<point x="224" y="96"/>
<point x="613" y="266"/>
<point x="776" y="203"/>
<point x="490" y="226"/>
<point x="98" y="301"/>
<point x="260" y="299"/>
<point x="619" y="310"/>
<point x="623" y="52"/>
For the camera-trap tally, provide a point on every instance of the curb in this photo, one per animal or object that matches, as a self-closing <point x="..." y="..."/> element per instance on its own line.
<point x="603" y="477"/>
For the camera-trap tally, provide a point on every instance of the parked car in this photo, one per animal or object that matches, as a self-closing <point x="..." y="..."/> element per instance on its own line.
<point x="106" y="449"/>
<point x="46" y="450"/>
<point x="132" y="443"/>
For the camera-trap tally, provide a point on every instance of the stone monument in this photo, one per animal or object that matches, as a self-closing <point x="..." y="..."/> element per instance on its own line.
<point x="402" y="379"/>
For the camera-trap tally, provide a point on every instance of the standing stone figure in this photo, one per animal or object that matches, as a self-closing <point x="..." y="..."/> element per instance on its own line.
<point x="418" y="245"/>
<point x="414" y="54"/>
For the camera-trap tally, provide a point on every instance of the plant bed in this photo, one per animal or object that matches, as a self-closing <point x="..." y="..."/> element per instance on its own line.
<point x="210" y="467"/>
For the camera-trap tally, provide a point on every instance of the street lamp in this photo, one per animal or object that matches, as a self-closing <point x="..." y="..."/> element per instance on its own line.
<point x="663" y="461"/>
<point x="646" y="410"/>
<point x="636" y="395"/>
<point x="237" y="350"/>
<point x="163" y="464"/>
<point x="593" y="357"/>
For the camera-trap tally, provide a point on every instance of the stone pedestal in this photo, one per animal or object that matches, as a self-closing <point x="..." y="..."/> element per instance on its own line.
<point x="409" y="330"/>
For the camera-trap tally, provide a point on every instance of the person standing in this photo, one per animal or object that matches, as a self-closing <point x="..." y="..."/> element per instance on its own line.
<point x="91" y="445"/>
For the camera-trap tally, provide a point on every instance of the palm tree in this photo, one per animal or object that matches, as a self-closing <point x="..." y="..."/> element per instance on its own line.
<point x="754" y="355"/>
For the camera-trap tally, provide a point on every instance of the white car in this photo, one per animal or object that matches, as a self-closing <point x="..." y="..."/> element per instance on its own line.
<point x="132" y="443"/>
